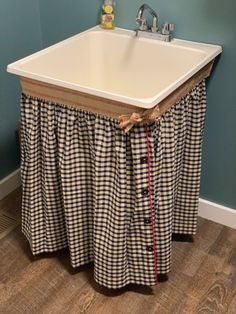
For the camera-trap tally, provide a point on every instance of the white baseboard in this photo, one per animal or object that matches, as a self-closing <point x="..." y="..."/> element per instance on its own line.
<point x="217" y="213"/>
<point x="10" y="183"/>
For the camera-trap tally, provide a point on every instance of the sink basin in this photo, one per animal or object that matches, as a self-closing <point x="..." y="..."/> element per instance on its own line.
<point x="117" y="65"/>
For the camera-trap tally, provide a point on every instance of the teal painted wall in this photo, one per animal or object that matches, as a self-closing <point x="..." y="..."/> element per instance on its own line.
<point x="61" y="19"/>
<point x="20" y="35"/>
<point x="207" y="21"/>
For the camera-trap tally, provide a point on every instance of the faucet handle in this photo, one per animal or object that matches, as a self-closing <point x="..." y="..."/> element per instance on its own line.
<point x="154" y="27"/>
<point x="167" y="28"/>
<point x="142" y="24"/>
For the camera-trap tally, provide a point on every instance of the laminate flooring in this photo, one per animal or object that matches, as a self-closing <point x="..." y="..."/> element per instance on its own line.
<point x="202" y="280"/>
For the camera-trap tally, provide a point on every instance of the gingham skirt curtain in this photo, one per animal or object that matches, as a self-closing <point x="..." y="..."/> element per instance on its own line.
<point x="85" y="186"/>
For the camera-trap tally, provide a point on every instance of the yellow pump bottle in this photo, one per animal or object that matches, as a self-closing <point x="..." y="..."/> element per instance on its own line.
<point x="108" y="14"/>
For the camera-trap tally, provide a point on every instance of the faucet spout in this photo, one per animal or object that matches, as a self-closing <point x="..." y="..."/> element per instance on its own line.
<point x="142" y="21"/>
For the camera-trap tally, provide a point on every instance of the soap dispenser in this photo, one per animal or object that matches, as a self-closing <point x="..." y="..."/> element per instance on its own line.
<point x="108" y="14"/>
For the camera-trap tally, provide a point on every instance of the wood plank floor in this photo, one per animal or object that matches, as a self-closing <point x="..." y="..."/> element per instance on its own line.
<point x="202" y="280"/>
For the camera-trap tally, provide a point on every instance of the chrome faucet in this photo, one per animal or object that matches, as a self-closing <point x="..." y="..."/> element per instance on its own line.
<point x="143" y="22"/>
<point x="152" y="32"/>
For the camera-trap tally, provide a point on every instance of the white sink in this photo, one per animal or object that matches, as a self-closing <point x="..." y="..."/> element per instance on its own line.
<point x="117" y="65"/>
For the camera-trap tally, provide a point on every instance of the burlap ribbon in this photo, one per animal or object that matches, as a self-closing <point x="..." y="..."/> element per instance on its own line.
<point x="148" y="116"/>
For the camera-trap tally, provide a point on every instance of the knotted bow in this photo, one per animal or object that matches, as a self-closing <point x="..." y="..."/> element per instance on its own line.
<point x="127" y="122"/>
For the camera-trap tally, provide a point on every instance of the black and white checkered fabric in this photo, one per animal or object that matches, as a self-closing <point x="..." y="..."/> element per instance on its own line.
<point x="85" y="186"/>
